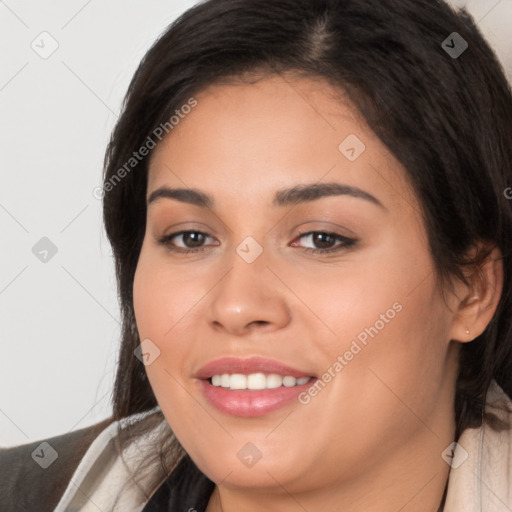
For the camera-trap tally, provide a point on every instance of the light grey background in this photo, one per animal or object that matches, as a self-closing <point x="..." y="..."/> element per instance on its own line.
<point x="59" y="319"/>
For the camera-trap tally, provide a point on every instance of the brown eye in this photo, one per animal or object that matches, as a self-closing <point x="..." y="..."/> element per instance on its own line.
<point x="193" y="239"/>
<point x="185" y="241"/>
<point x="324" y="242"/>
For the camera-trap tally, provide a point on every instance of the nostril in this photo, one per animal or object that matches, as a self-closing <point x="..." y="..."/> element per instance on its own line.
<point x="259" y="322"/>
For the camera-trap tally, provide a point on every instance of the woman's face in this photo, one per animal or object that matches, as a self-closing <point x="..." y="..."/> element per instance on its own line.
<point x="362" y="316"/>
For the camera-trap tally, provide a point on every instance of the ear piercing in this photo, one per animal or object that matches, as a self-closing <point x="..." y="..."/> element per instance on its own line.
<point x="467" y="330"/>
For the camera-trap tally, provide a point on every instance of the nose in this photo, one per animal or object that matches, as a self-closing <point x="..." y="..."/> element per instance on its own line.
<point x="248" y="297"/>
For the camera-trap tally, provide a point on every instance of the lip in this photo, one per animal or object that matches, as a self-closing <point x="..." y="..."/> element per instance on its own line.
<point x="250" y="403"/>
<point x="248" y="366"/>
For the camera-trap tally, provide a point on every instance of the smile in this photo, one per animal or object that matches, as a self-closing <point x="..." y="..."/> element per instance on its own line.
<point x="256" y="381"/>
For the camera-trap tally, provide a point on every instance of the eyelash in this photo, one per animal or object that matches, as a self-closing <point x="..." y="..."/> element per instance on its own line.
<point x="346" y="242"/>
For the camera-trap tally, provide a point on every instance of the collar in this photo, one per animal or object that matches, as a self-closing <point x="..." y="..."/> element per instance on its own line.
<point x="481" y="474"/>
<point x="480" y="477"/>
<point x="104" y="480"/>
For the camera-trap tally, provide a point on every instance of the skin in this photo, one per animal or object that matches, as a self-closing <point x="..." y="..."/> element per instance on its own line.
<point x="372" y="439"/>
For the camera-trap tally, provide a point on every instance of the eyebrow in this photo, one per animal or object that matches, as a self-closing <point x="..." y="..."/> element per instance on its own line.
<point x="185" y="195"/>
<point x="284" y="197"/>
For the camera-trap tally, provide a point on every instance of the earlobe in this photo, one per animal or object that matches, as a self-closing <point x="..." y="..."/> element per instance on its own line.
<point x="481" y="298"/>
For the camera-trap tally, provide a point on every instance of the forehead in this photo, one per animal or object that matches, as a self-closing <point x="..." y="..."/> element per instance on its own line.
<point x="249" y="139"/>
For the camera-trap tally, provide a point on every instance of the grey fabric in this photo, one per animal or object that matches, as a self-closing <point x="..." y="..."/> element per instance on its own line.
<point x="26" y="486"/>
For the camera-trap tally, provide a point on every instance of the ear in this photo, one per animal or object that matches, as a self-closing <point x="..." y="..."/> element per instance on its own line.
<point x="478" y="299"/>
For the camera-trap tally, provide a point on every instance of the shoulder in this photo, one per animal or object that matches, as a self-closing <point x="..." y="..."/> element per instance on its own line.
<point x="482" y="461"/>
<point x="33" y="476"/>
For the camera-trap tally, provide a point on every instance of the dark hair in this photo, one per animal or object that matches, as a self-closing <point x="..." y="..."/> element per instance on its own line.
<point x="446" y="119"/>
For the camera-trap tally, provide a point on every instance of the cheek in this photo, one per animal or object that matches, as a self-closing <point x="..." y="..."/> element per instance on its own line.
<point x="163" y="304"/>
<point x="162" y="297"/>
<point x="368" y="299"/>
<point x="164" y="307"/>
<point x="169" y="304"/>
<point x="387" y="375"/>
<point x="396" y="360"/>
<point x="390" y="328"/>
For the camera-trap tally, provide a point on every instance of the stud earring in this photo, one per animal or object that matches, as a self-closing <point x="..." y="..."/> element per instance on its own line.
<point x="467" y="330"/>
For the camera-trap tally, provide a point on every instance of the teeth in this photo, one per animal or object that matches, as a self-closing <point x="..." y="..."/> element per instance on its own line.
<point x="256" y="381"/>
<point x="238" y="381"/>
<point x="274" y="381"/>
<point x="289" y="381"/>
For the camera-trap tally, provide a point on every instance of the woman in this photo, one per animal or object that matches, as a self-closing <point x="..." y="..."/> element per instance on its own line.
<point x="307" y="206"/>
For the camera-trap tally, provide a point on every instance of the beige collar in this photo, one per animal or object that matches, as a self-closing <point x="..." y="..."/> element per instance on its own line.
<point x="480" y="478"/>
<point x="483" y="481"/>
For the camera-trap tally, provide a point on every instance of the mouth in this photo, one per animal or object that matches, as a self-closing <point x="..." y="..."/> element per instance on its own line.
<point x="251" y="387"/>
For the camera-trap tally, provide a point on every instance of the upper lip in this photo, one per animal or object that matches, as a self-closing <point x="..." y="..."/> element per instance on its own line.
<point x="247" y="366"/>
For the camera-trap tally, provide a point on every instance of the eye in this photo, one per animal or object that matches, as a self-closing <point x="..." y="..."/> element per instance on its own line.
<point x="186" y="242"/>
<point x="191" y="241"/>
<point x="326" y="242"/>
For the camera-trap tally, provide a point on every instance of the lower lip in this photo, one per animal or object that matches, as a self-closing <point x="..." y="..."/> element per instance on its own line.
<point x="251" y="403"/>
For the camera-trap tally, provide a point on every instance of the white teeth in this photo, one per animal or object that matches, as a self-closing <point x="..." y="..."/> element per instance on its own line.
<point x="238" y="381"/>
<point x="256" y="381"/>
<point x="274" y="381"/>
<point x="289" y="381"/>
